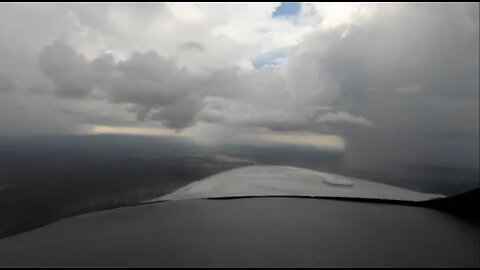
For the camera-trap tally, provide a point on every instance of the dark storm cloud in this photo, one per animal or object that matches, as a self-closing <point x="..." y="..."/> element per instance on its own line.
<point x="150" y="80"/>
<point x="412" y="70"/>
<point x="69" y="70"/>
<point x="179" y="115"/>
<point x="161" y="91"/>
<point x="140" y="111"/>
<point x="156" y="86"/>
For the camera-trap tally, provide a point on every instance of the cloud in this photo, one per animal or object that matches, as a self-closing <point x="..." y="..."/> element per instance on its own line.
<point x="407" y="70"/>
<point x="179" y="115"/>
<point x="343" y="117"/>
<point x="157" y="87"/>
<point x="191" y="45"/>
<point x="398" y="81"/>
<point x="6" y="84"/>
<point x="69" y="70"/>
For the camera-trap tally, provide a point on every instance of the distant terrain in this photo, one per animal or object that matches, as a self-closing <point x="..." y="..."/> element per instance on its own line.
<point x="43" y="179"/>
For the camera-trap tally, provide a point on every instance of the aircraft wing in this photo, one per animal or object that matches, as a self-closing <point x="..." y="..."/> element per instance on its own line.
<point x="267" y="216"/>
<point x="264" y="181"/>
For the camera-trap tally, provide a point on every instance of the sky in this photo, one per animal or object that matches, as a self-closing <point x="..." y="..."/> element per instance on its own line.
<point x="393" y="83"/>
<point x="287" y="9"/>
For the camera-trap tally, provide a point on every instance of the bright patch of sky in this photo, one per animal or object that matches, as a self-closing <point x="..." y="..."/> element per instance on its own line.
<point x="287" y="9"/>
<point x="277" y="57"/>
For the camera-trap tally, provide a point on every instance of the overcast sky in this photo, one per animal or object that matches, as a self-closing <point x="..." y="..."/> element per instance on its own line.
<point x="396" y="82"/>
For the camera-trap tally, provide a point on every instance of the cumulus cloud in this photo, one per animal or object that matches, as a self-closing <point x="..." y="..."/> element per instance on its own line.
<point x="68" y="69"/>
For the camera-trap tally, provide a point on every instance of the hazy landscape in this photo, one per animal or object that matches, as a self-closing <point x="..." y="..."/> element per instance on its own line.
<point x="45" y="178"/>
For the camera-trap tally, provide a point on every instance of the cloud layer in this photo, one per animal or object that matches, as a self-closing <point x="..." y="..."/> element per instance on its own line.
<point x="398" y="81"/>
